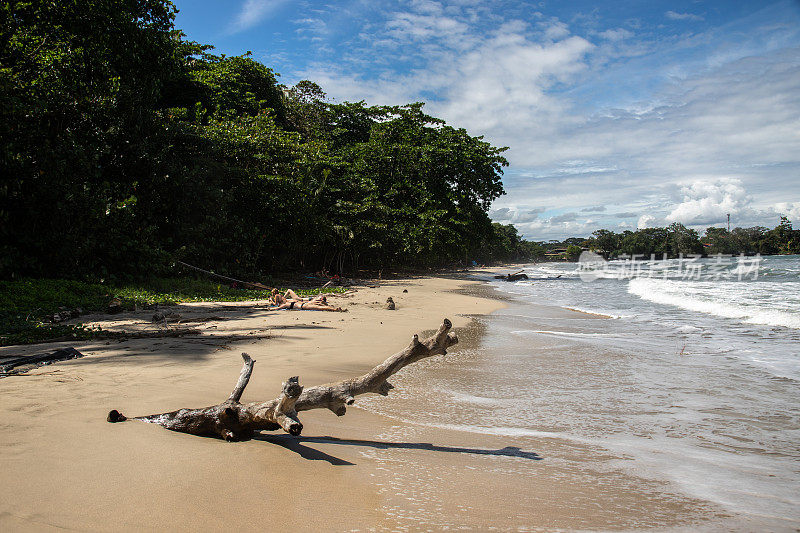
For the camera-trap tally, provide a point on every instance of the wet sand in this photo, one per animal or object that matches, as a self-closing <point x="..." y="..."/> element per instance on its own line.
<point x="65" y="467"/>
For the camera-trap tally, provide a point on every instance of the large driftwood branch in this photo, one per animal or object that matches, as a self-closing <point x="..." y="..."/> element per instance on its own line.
<point x="244" y="379"/>
<point x="232" y="420"/>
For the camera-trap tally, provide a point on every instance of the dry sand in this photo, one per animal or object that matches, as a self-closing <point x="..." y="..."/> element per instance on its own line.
<point x="65" y="467"/>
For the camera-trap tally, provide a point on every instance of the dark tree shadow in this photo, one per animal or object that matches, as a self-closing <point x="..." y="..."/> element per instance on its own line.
<point x="298" y="326"/>
<point x="296" y="445"/>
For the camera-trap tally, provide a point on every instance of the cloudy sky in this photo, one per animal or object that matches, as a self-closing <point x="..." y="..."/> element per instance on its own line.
<point x="618" y="114"/>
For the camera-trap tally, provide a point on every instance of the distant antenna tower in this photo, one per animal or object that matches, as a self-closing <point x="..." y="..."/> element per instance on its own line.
<point x="729" y="222"/>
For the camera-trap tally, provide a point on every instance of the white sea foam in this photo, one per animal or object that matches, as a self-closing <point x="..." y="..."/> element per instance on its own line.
<point x="559" y="333"/>
<point x="505" y="431"/>
<point x="746" y="302"/>
<point x="605" y="313"/>
<point x="481" y="400"/>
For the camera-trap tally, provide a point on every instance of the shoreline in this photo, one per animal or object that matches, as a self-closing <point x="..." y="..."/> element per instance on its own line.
<point x="674" y="417"/>
<point x="533" y="479"/>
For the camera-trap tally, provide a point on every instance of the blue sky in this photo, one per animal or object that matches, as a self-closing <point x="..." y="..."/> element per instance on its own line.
<point x="618" y="115"/>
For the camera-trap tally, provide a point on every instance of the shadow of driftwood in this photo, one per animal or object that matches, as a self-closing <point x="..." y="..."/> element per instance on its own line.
<point x="295" y="444"/>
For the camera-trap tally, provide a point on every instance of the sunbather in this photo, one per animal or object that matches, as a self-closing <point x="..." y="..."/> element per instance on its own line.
<point x="291" y="300"/>
<point x="290" y="295"/>
<point x="313" y="305"/>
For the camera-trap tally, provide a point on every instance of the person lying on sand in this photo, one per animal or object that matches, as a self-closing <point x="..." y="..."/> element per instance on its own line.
<point x="313" y="305"/>
<point x="291" y="296"/>
<point x="290" y="300"/>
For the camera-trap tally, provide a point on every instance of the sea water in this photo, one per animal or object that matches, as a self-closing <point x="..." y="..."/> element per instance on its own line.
<point x="692" y="376"/>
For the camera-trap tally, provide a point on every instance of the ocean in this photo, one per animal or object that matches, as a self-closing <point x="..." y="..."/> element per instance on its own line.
<point x="686" y="372"/>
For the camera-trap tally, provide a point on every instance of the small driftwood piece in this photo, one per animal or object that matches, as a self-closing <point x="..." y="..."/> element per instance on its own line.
<point x="233" y="421"/>
<point x="62" y="354"/>
<point x="516" y="276"/>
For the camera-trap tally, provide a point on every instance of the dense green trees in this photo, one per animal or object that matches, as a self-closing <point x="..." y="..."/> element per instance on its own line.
<point x="677" y="239"/>
<point x="125" y="147"/>
<point x="573" y="252"/>
<point x="506" y="244"/>
<point x="78" y="81"/>
<point x="782" y="239"/>
<point x="673" y="240"/>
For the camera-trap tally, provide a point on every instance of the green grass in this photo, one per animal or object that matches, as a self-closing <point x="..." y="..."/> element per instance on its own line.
<point x="24" y="304"/>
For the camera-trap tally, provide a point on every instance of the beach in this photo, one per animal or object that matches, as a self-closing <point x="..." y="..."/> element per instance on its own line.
<point x="427" y="457"/>
<point x="65" y="467"/>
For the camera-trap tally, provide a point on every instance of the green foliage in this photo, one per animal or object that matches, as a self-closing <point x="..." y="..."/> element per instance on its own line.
<point x="604" y="241"/>
<point x="77" y="83"/>
<point x="783" y="239"/>
<point x="505" y="244"/>
<point x="44" y="296"/>
<point x="25" y="304"/>
<point x="236" y="86"/>
<point x="130" y="147"/>
<point x="677" y="239"/>
<point x="573" y="252"/>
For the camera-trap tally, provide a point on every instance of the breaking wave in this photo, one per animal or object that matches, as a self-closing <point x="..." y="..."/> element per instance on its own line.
<point x="752" y="303"/>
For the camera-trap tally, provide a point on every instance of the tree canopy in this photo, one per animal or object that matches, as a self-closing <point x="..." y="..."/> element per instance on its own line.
<point x="126" y="146"/>
<point x="677" y="239"/>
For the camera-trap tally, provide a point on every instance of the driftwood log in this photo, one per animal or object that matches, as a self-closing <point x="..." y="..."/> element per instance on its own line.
<point x="233" y="421"/>
<point x="62" y="354"/>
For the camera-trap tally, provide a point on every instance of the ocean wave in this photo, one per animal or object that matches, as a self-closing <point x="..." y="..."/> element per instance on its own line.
<point x="738" y="301"/>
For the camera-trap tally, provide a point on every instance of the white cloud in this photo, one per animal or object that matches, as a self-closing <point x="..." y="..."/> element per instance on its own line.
<point x="427" y="6"/>
<point x="516" y="215"/>
<point x="710" y="202"/>
<point x="312" y="27"/>
<point x="555" y="30"/>
<point x="616" y="35"/>
<point x="790" y="210"/>
<point x="565" y="217"/>
<point x="672" y="15"/>
<point x="646" y="221"/>
<point x="253" y="12"/>
<point x="416" y="27"/>
<point x="501" y="86"/>
<point x="496" y="84"/>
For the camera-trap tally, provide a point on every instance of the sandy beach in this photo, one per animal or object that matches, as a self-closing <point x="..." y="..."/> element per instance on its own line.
<point x="65" y="467"/>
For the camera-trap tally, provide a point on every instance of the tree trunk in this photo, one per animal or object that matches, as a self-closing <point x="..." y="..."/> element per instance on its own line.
<point x="233" y="421"/>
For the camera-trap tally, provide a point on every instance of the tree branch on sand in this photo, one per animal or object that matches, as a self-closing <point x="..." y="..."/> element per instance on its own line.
<point x="234" y="421"/>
